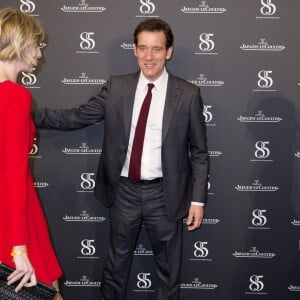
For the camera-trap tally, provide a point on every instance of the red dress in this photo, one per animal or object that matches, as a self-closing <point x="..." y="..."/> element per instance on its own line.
<point x="22" y="220"/>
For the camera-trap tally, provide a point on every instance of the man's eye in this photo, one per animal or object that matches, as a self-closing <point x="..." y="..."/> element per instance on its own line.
<point x="156" y="50"/>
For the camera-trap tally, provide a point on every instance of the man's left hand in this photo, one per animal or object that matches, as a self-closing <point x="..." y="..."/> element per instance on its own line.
<point x="195" y="217"/>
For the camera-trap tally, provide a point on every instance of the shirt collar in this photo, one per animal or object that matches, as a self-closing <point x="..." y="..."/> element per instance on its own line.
<point x="158" y="83"/>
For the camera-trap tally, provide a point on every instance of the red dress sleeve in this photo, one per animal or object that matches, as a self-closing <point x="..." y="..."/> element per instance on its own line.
<point x="17" y="145"/>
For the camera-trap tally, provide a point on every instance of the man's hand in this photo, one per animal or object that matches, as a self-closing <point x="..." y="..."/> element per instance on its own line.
<point x="195" y="217"/>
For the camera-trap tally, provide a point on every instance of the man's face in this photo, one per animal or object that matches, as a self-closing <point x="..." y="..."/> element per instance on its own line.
<point x="151" y="53"/>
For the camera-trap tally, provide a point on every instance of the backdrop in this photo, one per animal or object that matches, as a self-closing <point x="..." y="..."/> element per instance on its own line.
<point x="244" y="55"/>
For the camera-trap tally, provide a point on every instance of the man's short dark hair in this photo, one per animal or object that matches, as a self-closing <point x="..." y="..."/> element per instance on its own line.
<point x="155" y="24"/>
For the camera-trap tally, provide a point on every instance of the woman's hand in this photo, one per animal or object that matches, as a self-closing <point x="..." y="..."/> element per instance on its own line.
<point x="24" y="270"/>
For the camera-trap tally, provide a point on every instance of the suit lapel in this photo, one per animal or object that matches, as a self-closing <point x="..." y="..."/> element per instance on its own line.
<point x="172" y="98"/>
<point x="128" y="92"/>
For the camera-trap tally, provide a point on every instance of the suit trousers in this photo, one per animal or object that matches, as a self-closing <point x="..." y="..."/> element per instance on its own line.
<point x="138" y="204"/>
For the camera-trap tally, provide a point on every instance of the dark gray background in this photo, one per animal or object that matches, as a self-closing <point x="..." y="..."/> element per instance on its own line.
<point x="265" y="222"/>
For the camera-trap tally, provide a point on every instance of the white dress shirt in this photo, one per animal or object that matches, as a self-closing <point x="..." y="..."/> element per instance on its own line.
<point x="151" y="156"/>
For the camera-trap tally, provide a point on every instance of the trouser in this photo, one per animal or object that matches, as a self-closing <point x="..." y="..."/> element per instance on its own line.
<point x="136" y="204"/>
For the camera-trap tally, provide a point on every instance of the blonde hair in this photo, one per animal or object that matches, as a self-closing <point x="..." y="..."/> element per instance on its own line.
<point x="19" y="32"/>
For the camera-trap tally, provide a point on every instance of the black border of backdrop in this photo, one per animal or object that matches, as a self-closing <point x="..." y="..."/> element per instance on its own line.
<point x="244" y="55"/>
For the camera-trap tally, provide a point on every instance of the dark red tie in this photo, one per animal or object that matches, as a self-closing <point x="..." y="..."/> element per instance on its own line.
<point x="134" y="173"/>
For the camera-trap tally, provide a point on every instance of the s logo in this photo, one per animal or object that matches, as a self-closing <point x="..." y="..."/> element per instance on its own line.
<point x="147" y="7"/>
<point x="34" y="149"/>
<point x="265" y="81"/>
<point x="206" y="43"/>
<point x="268" y="8"/>
<point x="208" y="183"/>
<point x="262" y="150"/>
<point x="256" y="284"/>
<point x="87" y="43"/>
<point x="27" y="6"/>
<point x="28" y="78"/>
<point x="258" y="217"/>
<point x="200" y="249"/>
<point x="207" y="114"/>
<point x="143" y="281"/>
<point x="87" y="247"/>
<point x="87" y="182"/>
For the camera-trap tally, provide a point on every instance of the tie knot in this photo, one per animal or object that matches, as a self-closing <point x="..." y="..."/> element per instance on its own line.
<point x="150" y="86"/>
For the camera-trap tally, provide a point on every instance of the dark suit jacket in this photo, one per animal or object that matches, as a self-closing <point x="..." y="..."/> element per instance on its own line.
<point x="184" y="151"/>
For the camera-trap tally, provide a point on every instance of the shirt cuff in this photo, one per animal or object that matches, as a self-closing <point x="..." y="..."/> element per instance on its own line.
<point x="198" y="203"/>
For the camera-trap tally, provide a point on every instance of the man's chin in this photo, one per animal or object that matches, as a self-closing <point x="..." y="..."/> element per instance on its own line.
<point x="151" y="75"/>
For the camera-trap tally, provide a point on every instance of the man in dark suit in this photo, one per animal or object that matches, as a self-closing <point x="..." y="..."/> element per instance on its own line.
<point x="154" y="163"/>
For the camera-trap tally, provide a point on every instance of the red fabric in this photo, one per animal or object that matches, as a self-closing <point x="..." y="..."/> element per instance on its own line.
<point x="134" y="173"/>
<point x="22" y="219"/>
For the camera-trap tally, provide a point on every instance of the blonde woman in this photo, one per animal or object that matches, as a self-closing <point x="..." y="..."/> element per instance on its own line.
<point x="24" y="240"/>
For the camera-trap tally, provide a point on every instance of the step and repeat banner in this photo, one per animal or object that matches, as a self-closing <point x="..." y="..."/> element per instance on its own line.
<point x="244" y="56"/>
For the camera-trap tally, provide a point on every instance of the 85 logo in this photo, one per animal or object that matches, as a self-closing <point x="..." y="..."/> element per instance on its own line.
<point x="147" y="7"/>
<point x="87" y="182"/>
<point x="34" y="150"/>
<point x="27" y="6"/>
<point x="88" y="249"/>
<point x="256" y="284"/>
<point x="143" y="281"/>
<point x="28" y="79"/>
<point x="200" y="249"/>
<point x="268" y="8"/>
<point x="262" y="151"/>
<point x="265" y="80"/>
<point x="87" y="42"/>
<point x="207" y="113"/>
<point x="206" y="43"/>
<point x="259" y="219"/>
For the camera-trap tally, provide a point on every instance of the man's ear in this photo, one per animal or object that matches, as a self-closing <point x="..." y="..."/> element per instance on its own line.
<point x="169" y="53"/>
<point x="134" y="49"/>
